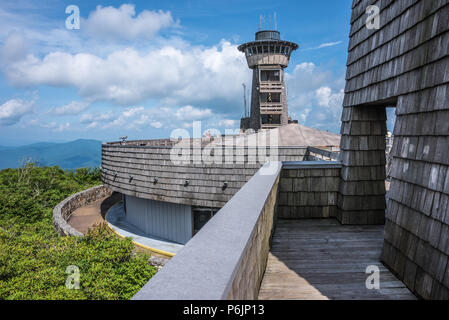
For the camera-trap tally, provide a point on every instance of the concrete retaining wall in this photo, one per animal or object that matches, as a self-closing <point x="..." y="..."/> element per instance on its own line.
<point x="228" y="256"/>
<point x="309" y="189"/>
<point x="63" y="211"/>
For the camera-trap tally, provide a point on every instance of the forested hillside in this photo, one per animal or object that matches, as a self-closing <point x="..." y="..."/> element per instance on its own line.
<point x="34" y="258"/>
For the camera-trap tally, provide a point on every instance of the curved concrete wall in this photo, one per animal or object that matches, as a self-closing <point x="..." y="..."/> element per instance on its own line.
<point x="63" y="211"/>
<point x="164" y="220"/>
<point x="131" y="169"/>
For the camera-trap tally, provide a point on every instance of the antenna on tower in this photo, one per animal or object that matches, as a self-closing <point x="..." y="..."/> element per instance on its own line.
<point x="260" y="23"/>
<point x="275" y="22"/>
<point x="244" y="100"/>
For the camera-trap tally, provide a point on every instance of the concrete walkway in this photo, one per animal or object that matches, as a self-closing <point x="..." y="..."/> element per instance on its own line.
<point x="110" y="210"/>
<point x="87" y="217"/>
<point x="321" y="259"/>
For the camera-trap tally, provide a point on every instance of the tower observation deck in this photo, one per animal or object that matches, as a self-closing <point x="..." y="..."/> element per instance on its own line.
<point x="267" y="56"/>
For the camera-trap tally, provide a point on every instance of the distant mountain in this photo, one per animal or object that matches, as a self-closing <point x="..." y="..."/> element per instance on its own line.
<point x="68" y="155"/>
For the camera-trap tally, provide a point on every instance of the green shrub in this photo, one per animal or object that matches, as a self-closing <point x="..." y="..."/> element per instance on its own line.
<point x="34" y="258"/>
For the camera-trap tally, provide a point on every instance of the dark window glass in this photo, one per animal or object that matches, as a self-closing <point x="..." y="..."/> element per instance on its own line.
<point x="270" y="97"/>
<point x="271" y="118"/>
<point x="270" y="75"/>
<point x="201" y="216"/>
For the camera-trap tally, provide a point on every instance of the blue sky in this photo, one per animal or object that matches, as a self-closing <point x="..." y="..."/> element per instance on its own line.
<point x="144" y="68"/>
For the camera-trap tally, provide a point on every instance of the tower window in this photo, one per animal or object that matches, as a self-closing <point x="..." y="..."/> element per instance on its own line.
<point x="259" y="49"/>
<point x="271" y="118"/>
<point x="270" y="75"/>
<point x="265" y="49"/>
<point x="270" y="97"/>
<point x="271" y="49"/>
<point x="277" y="50"/>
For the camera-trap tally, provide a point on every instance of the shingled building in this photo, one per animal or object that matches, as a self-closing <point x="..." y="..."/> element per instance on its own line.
<point x="404" y="64"/>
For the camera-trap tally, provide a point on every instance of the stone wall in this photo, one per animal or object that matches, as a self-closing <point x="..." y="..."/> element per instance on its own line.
<point x="131" y="169"/>
<point x="63" y="211"/>
<point x="403" y="64"/>
<point x="227" y="258"/>
<point x="308" y="190"/>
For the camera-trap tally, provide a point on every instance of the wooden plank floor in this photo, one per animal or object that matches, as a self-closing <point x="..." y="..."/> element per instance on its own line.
<point x="321" y="259"/>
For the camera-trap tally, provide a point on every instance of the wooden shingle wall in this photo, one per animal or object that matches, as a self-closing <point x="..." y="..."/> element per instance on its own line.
<point x="361" y="197"/>
<point x="404" y="64"/>
<point x="308" y="193"/>
<point x="131" y="170"/>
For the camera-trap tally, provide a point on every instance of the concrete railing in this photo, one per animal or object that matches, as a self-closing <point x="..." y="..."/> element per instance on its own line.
<point x="228" y="256"/>
<point x="63" y="211"/>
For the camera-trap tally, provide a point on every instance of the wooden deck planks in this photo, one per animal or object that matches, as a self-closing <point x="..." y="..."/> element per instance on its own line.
<point x="321" y="259"/>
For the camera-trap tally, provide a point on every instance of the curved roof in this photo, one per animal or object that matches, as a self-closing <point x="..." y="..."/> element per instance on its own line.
<point x="291" y="135"/>
<point x="242" y="47"/>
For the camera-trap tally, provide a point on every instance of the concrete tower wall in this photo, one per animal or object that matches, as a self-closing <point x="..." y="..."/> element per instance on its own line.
<point x="254" y="119"/>
<point x="267" y="54"/>
<point x="404" y="64"/>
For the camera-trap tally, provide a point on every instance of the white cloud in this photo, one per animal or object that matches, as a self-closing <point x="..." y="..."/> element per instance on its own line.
<point x="138" y="118"/>
<point x="329" y="99"/>
<point x="62" y="127"/>
<point x="14" y="47"/>
<point x="227" y="123"/>
<point x="13" y="110"/>
<point x="92" y="125"/>
<point x="103" y="117"/>
<point x="123" y="23"/>
<point x="156" y="124"/>
<point x="325" y="45"/>
<point x="73" y="108"/>
<point x="127" y="77"/>
<point x="316" y="96"/>
<point x="189" y="113"/>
